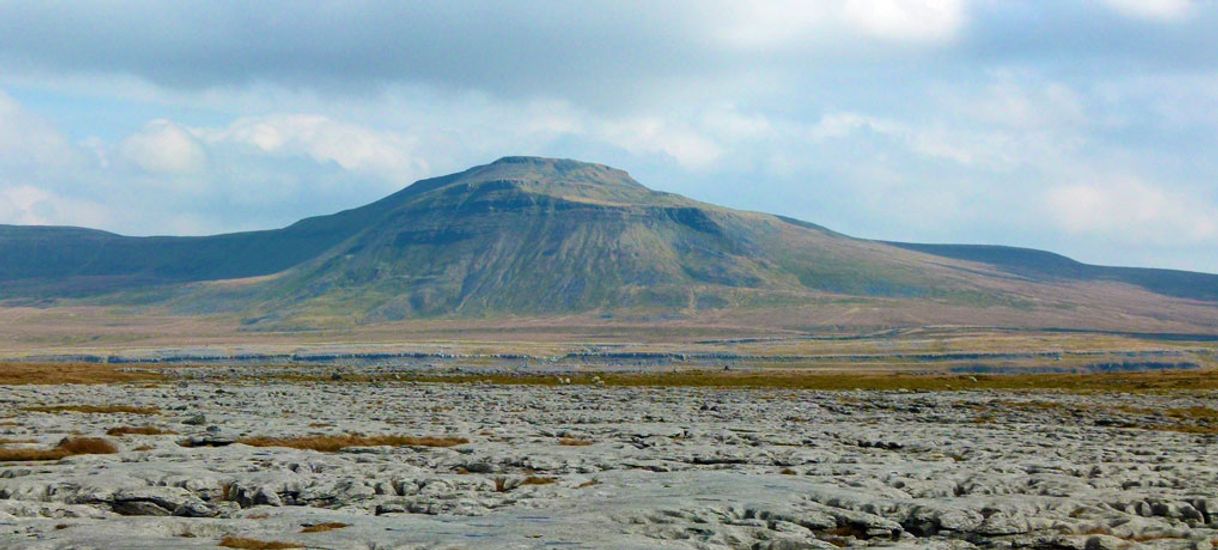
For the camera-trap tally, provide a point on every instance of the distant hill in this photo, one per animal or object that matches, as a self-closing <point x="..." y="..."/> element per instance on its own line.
<point x="1050" y="267"/>
<point x="533" y="236"/>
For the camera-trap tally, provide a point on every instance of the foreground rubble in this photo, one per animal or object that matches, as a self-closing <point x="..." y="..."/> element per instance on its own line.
<point x="611" y="467"/>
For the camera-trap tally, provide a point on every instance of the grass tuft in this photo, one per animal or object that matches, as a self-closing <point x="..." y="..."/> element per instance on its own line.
<point x="574" y="442"/>
<point x="138" y="430"/>
<point x="323" y="527"/>
<point x="538" y="480"/>
<point x="335" y="443"/>
<point x="8" y="441"/>
<point x="69" y="446"/>
<point x="255" y="544"/>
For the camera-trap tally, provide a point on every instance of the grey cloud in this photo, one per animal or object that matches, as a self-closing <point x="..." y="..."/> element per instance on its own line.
<point x="599" y="51"/>
<point x="509" y="48"/>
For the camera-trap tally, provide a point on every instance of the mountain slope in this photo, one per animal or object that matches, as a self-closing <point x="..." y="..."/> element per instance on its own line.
<point x="528" y="236"/>
<point x="534" y="236"/>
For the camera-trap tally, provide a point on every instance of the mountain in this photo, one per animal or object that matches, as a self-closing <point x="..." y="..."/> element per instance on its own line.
<point x="527" y="236"/>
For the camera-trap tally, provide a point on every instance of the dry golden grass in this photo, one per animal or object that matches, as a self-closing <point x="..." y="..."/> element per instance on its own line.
<point x="255" y="544"/>
<point x="323" y="527"/>
<point x="139" y="430"/>
<point x="70" y="373"/>
<point x="69" y="446"/>
<point x="574" y="442"/>
<point x="538" y="480"/>
<point x="95" y="409"/>
<point x="10" y="441"/>
<point x="334" y="443"/>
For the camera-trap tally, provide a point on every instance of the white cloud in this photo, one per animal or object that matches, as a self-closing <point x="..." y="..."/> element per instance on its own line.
<point x="353" y="147"/>
<point x="842" y="124"/>
<point x="1132" y="211"/>
<point x="959" y="145"/>
<point x="771" y="24"/>
<point x="652" y="135"/>
<point x="28" y="140"/>
<point x="162" y="147"/>
<point x="1025" y="104"/>
<point x="1160" y="10"/>
<point x="914" y="20"/>
<point x="28" y="205"/>
<point x="730" y="122"/>
<point x="23" y="204"/>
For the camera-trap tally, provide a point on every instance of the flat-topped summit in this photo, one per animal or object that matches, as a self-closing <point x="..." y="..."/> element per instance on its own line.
<point x="566" y="178"/>
<point x="556" y="169"/>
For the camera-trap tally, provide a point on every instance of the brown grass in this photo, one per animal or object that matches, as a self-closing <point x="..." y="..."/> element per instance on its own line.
<point x="8" y="441"/>
<point x="94" y="409"/>
<point x="70" y="373"/>
<point x="501" y="483"/>
<point x="139" y="430"/>
<point x="334" y="443"/>
<point x="255" y="544"/>
<point x="69" y="446"/>
<point x="574" y="442"/>
<point x="538" y="480"/>
<point x="323" y="527"/>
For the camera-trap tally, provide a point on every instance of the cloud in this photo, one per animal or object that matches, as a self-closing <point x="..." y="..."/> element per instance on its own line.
<point x="1132" y="211"/>
<point x="962" y="146"/>
<point x="28" y="205"/>
<point x="353" y="147"/>
<point x="29" y="140"/>
<point x="907" y="20"/>
<point x="653" y="135"/>
<point x="766" y="24"/>
<point x="162" y="147"/>
<point x="1161" y="10"/>
<point x="534" y="50"/>
<point x="1019" y="102"/>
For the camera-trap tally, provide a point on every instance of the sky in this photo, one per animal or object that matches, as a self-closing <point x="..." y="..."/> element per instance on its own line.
<point x="1089" y="128"/>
